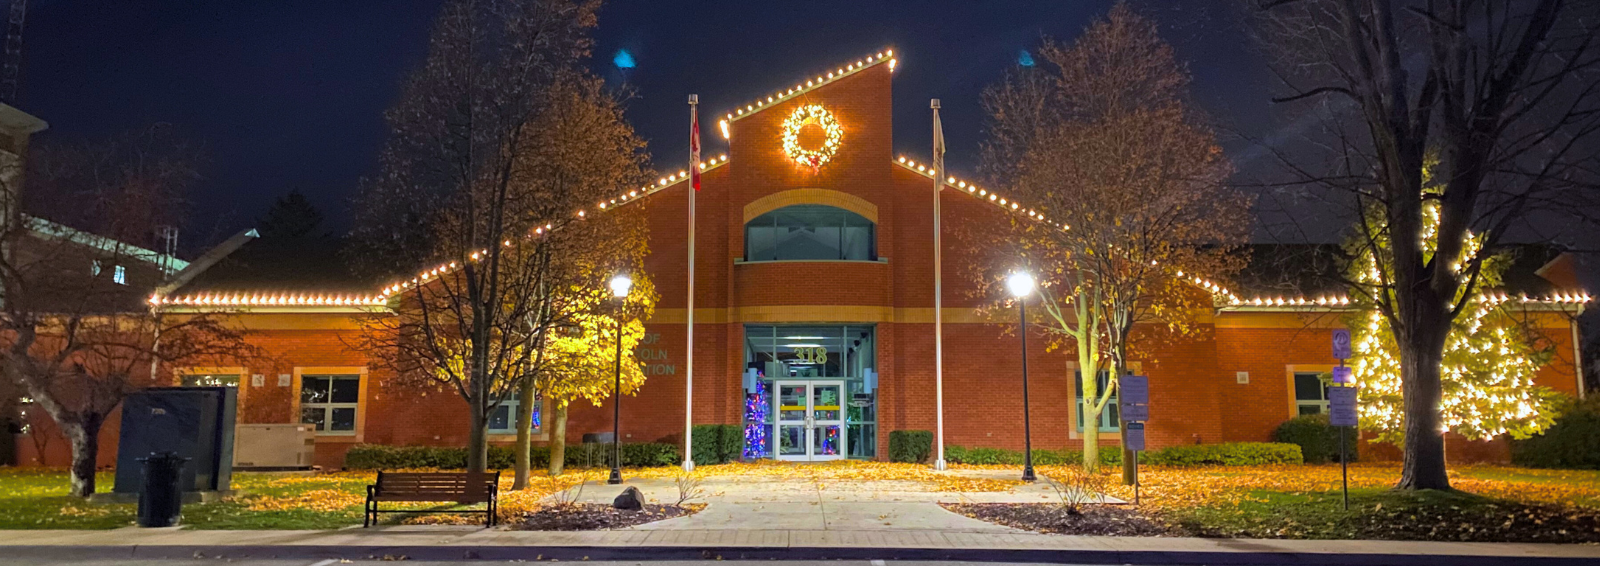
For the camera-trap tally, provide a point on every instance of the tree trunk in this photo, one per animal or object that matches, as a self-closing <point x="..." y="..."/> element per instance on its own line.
<point x="478" y="437"/>
<point x="1091" y="435"/>
<point x="558" y="438"/>
<point x="85" y="438"/>
<point x="524" y="418"/>
<point x="1130" y="472"/>
<point x="1421" y="354"/>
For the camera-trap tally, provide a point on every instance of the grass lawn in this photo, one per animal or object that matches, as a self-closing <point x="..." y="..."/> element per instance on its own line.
<point x="37" y="499"/>
<point x="1492" y="503"/>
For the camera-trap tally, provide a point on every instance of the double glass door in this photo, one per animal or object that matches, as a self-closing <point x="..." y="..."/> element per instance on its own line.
<point x="810" y="420"/>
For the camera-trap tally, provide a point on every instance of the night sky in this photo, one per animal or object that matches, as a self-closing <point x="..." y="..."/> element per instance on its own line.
<point x="289" y="94"/>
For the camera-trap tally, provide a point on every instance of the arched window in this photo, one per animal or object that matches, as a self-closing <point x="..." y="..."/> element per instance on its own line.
<point x="810" y="232"/>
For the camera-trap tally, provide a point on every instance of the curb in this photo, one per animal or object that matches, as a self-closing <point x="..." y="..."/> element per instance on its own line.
<point x="655" y="553"/>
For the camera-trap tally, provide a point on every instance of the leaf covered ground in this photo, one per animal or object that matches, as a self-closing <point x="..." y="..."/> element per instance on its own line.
<point x="1495" y="503"/>
<point x="1491" y="503"/>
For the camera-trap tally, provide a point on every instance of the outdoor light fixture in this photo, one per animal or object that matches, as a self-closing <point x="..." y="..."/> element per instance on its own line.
<point x="619" y="289"/>
<point x="1021" y="285"/>
<point x="620" y="285"/>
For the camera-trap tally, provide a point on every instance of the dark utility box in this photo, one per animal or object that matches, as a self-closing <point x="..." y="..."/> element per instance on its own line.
<point x="194" y="422"/>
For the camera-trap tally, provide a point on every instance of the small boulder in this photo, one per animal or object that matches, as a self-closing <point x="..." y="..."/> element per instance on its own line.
<point x="630" y="500"/>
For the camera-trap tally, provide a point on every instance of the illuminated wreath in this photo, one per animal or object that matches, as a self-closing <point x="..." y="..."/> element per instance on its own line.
<point x="803" y="116"/>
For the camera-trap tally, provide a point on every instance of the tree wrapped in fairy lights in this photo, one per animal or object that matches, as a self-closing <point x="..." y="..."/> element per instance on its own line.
<point x="1490" y="355"/>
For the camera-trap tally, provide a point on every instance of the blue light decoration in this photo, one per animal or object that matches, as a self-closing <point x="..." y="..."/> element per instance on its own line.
<point x="830" y="441"/>
<point x="1024" y="58"/>
<point x="756" y="406"/>
<point x="623" y="60"/>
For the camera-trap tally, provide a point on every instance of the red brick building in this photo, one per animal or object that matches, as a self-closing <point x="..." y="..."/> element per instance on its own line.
<point x="817" y="284"/>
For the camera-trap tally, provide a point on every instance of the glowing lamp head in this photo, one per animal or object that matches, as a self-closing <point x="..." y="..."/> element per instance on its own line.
<point x="1020" y="284"/>
<point x="620" y="285"/>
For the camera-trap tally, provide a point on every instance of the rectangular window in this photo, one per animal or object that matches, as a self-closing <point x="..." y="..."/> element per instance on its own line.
<point x="94" y="268"/>
<point x="1109" y="419"/>
<point x="330" y="402"/>
<point x="502" y="420"/>
<point x="120" y="275"/>
<point x="1310" y="394"/>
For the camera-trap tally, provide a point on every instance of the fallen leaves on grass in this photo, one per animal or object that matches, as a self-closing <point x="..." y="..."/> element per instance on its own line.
<point x="1097" y="520"/>
<point x="597" y="517"/>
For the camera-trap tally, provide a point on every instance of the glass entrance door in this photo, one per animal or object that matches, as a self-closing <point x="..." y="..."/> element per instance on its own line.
<point x="809" y="420"/>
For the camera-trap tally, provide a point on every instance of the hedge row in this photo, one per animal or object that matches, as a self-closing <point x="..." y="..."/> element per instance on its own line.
<point x="1318" y="440"/>
<point x="1041" y="457"/>
<point x="1572" y="442"/>
<point x="1226" y="454"/>
<point x="717" y="443"/>
<point x="382" y="457"/>
<point x="913" y="446"/>
<point x="1229" y="454"/>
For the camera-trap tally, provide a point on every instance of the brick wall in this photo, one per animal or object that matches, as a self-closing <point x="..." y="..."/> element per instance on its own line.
<point x="1195" y="395"/>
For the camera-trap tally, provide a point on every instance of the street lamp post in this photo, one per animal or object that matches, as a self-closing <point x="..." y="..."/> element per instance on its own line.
<point x="619" y="289"/>
<point x="1021" y="285"/>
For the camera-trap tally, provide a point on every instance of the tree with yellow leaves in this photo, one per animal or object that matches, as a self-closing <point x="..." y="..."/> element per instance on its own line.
<point x="580" y="361"/>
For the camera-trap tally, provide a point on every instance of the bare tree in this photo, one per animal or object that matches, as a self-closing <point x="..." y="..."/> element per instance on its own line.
<point x="1503" y="92"/>
<point x="79" y="332"/>
<point x="477" y="180"/>
<point x="1132" y="219"/>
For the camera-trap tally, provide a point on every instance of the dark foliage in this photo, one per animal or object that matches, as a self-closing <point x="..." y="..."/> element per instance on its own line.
<point x="912" y="446"/>
<point x="1318" y="441"/>
<point x="1573" y="442"/>
<point x="382" y="457"/>
<point x="984" y="456"/>
<point x="717" y="443"/>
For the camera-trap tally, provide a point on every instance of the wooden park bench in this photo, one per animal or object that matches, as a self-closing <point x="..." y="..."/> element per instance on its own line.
<point x="456" y="487"/>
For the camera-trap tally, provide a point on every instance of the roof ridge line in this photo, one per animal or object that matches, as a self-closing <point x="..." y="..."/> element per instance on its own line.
<point x="886" y="55"/>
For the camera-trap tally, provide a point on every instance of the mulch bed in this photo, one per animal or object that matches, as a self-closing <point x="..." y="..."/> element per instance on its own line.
<point x="1105" y="520"/>
<point x="597" y="517"/>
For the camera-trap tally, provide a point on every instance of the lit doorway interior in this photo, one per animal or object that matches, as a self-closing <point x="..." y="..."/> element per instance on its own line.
<point x="809" y="420"/>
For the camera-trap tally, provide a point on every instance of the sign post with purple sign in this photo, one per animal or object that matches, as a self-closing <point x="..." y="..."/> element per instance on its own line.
<point x="1342" y="413"/>
<point x="1133" y="436"/>
<point x="1133" y="406"/>
<point x="1342" y="406"/>
<point x="1341" y="344"/>
<point x="1133" y="398"/>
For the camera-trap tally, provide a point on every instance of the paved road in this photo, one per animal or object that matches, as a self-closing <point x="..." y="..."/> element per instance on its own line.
<point x="330" y="562"/>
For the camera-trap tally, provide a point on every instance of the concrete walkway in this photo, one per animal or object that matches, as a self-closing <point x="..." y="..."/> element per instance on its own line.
<point x="762" y="503"/>
<point x="457" y="543"/>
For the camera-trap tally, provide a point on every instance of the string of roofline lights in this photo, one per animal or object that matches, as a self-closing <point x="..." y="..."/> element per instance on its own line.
<point x="312" y="299"/>
<point x="887" y="55"/>
<point x="259" y="299"/>
<point x="1226" y="296"/>
<point x="270" y="299"/>
<point x="848" y="69"/>
<point x="661" y="184"/>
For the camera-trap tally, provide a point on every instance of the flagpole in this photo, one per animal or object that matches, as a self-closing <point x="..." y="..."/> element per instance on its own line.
<point x="938" y="287"/>
<point x="688" y="357"/>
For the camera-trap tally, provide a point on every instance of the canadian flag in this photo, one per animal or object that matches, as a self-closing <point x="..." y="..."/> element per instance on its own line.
<point x="694" y="148"/>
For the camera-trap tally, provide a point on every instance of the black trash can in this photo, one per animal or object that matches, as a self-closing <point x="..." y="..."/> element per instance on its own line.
<point x="161" y="500"/>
